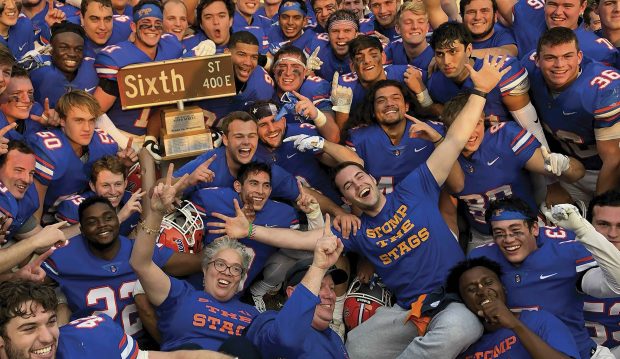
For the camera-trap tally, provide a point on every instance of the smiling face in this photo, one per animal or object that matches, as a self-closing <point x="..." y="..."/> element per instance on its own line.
<point x="111" y="186"/>
<point x="479" y="18"/>
<point x="18" y="99"/>
<point x="340" y="35"/>
<point x="32" y="337"/>
<point x="245" y="59"/>
<point x="368" y="65"/>
<point x="222" y="285"/>
<point x="97" y="23"/>
<point x="559" y="64"/>
<point x="413" y="27"/>
<point x="175" y="19"/>
<point x="390" y="106"/>
<point x="385" y="11"/>
<point x="241" y="141"/>
<point x="67" y="52"/>
<point x="358" y="188"/>
<point x="324" y="312"/>
<point x="475" y="139"/>
<point x="292" y="23"/>
<point x="478" y="285"/>
<point x="247" y="7"/>
<point x="288" y="73"/>
<point x="271" y="132"/>
<point x="10" y="13"/>
<point x="17" y="173"/>
<point x="606" y="221"/>
<point x="514" y="239"/>
<point x="322" y="10"/>
<point x="216" y="22"/>
<point x="357" y="6"/>
<point x="99" y="225"/>
<point x="148" y="32"/>
<point x="256" y="189"/>
<point x="609" y="13"/>
<point x="564" y="13"/>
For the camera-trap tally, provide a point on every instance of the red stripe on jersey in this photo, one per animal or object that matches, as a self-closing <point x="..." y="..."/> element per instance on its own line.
<point x="609" y="119"/>
<point x="584" y="259"/>
<point x="605" y="109"/>
<point x="136" y="351"/>
<point x="518" y="137"/>
<point x="123" y="342"/>
<point x="63" y="218"/>
<point x="529" y="142"/>
<point x="501" y="84"/>
<point x="44" y="163"/>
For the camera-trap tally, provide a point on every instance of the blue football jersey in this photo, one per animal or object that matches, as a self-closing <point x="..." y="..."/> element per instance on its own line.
<point x="258" y="87"/>
<point x="93" y="285"/>
<point x="261" y="12"/>
<point x="386" y="162"/>
<point x="501" y="36"/>
<point x="121" y="29"/>
<point x="331" y="63"/>
<point x="303" y="165"/>
<point x="240" y="22"/>
<point x="505" y="344"/>
<point x="496" y="170"/>
<point x="49" y="82"/>
<point x="21" y="37"/>
<point x="67" y="210"/>
<point x="351" y="80"/>
<point x="547" y="280"/>
<point x="114" y="57"/>
<point x="408" y="242"/>
<point x="317" y="90"/>
<point x="442" y="89"/>
<point x="277" y="39"/>
<point x="283" y="184"/>
<point x="586" y="107"/>
<point x="20" y="210"/>
<point x="395" y="54"/>
<point x="602" y="317"/>
<point x="193" y="316"/>
<point x="389" y="32"/>
<point x="274" y="214"/>
<point x="24" y="127"/>
<point x="95" y="337"/>
<point x="59" y="168"/>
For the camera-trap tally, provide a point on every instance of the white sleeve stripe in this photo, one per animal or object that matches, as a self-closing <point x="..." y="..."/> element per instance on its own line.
<point x="128" y="347"/>
<point x="583" y="267"/>
<point x="521" y="142"/>
<point x="514" y="83"/>
<point x="44" y="169"/>
<point x="593" y="307"/>
<point x="608" y="113"/>
<point x="104" y="70"/>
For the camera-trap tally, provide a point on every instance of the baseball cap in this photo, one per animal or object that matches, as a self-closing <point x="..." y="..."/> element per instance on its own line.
<point x="296" y="273"/>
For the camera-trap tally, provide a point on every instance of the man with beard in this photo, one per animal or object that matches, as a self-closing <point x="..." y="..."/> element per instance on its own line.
<point x="480" y="18"/>
<point x="92" y="270"/>
<point x="66" y="69"/>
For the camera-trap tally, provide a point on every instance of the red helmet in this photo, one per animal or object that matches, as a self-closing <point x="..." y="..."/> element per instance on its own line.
<point x="134" y="178"/>
<point x="363" y="300"/>
<point x="183" y="229"/>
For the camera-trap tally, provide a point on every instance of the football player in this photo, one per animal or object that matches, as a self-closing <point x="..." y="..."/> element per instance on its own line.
<point x="411" y="48"/>
<point x="175" y="18"/>
<point x="385" y="12"/>
<point x="608" y="12"/>
<point x="102" y="28"/>
<point x="17" y="30"/>
<point x="290" y="27"/>
<point x="480" y="18"/>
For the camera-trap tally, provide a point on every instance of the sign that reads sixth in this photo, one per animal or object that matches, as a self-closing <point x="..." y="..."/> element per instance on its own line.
<point x="166" y="82"/>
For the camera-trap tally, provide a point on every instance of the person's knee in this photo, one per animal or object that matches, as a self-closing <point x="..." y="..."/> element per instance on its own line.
<point x="464" y="326"/>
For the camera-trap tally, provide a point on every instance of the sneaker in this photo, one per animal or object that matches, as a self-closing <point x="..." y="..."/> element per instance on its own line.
<point x="259" y="303"/>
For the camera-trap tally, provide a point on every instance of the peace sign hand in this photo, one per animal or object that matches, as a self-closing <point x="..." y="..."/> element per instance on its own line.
<point x="164" y="194"/>
<point x="328" y="248"/>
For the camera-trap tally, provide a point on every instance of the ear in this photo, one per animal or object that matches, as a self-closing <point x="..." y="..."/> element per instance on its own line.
<point x="92" y="185"/>
<point x="289" y="291"/>
<point x="535" y="229"/>
<point x="237" y="186"/>
<point x="580" y="56"/>
<point x="225" y="138"/>
<point x="63" y="123"/>
<point x="397" y="27"/>
<point x="132" y="26"/>
<point x="469" y="49"/>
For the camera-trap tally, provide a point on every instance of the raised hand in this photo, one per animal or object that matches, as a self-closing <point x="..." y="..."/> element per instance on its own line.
<point x="567" y="216"/>
<point x="248" y="210"/>
<point x="305" y="143"/>
<point x="413" y="79"/>
<point x="128" y="156"/>
<point x="382" y="38"/>
<point x="495" y="312"/>
<point x="164" y="194"/>
<point x="49" y="117"/>
<point x="133" y="205"/>
<point x="233" y="227"/>
<point x="53" y="15"/>
<point x="341" y="96"/>
<point x="314" y="62"/>
<point x="305" y="107"/>
<point x="555" y="163"/>
<point x="4" y="142"/>
<point x="489" y="74"/>
<point x="32" y="271"/>
<point x="422" y="130"/>
<point x="328" y="248"/>
<point x="306" y="202"/>
<point x="202" y="173"/>
<point x="204" y="48"/>
<point x="50" y="236"/>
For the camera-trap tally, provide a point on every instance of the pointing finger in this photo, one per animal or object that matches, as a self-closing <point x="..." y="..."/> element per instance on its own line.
<point x="169" y="174"/>
<point x="209" y="161"/>
<point x="411" y="118"/>
<point x="293" y="138"/>
<point x="7" y="128"/>
<point x="315" y="53"/>
<point x="335" y="80"/>
<point x="238" y="210"/>
<point x="299" y="96"/>
<point x="327" y="230"/>
<point x="46" y="105"/>
<point x="545" y="152"/>
<point x="300" y="187"/>
<point x="129" y="142"/>
<point x="58" y="225"/>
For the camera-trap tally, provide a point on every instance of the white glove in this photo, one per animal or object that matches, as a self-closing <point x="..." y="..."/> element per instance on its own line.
<point x="204" y="48"/>
<point x="151" y="145"/>
<point x="341" y="96"/>
<point x="304" y="143"/>
<point x="555" y="163"/>
<point x="313" y="62"/>
<point x="567" y="216"/>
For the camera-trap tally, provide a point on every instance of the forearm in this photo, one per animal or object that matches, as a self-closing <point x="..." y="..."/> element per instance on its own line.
<point x="153" y="126"/>
<point x="329" y="130"/>
<point x="15" y="254"/>
<point x="142" y="253"/>
<point x="604" y="252"/>
<point x="71" y="231"/>
<point x="575" y="171"/>
<point x="436" y="15"/>
<point x="287" y="238"/>
<point x="535" y="346"/>
<point x="147" y="315"/>
<point x="341" y="118"/>
<point x="608" y="176"/>
<point x="505" y="8"/>
<point x="326" y="204"/>
<point x="509" y="50"/>
<point x="338" y="153"/>
<point x="456" y="179"/>
<point x="450" y="8"/>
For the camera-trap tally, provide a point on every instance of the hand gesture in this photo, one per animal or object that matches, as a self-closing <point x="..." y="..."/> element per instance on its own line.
<point x="422" y="130"/>
<point x="555" y="163"/>
<point x="567" y="216"/>
<point x="4" y="142"/>
<point x="164" y="194"/>
<point x="5" y="224"/>
<point x="494" y="311"/>
<point x="233" y="227"/>
<point x="51" y="236"/>
<point x="132" y="206"/>
<point x="347" y="224"/>
<point x="328" y="248"/>
<point x="413" y="79"/>
<point x="313" y="62"/>
<point x="341" y="96"/>
<point x="489" y="74"/>
<point x="305" y="107"/>
<point x="49" y="117"/>
<point x="128" y="156"/>
<point x="204" y="48"/>
<point x="384" y="39"/>
<point x="53" y="15"/>
<point x="32" y="271"/>
<point x="305" y="143"/>
<point x="202" y="173"/>
<point x="306" y="202"/>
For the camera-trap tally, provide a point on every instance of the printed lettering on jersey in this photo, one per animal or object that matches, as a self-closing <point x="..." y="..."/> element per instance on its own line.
<point x="503" y="347"/>
<point x="477" y="204"/>
<point x="50" y="140"/>
<point x="104" y="137"/>
<point x="555" y="232"/>
<point x="602" y="310"/>
<point x="323" y="36"/>
<point x="536" y="4"/>
<point x="350" y="77"/>
<point x="87" y="322"/>
<point x="218" y="321"/>
<point x="604" y="41"/>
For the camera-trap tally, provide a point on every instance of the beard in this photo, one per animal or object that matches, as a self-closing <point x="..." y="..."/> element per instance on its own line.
<point x="484" y="34"/>
<point x="31" y="4"/>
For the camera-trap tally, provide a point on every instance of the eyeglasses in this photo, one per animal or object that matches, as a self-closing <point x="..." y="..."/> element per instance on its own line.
<point x="157" y="27"/>
<point x="235" y="270"/>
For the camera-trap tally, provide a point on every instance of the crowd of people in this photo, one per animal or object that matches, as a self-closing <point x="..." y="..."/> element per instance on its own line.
<point x="392" y="179"/>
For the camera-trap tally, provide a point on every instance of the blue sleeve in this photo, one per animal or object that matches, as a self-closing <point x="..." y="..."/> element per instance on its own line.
<point x="189" y="167"/>
<point x="67" y="210"/>
<point x="420" y="182"/>
<point x="284" y="184"/>
<point x="285" y="331"/>
<point x="512" y="78"/>
<point x="47" y="148"/>
<point x="161" y="255"/>
<point x="105" y="64"/>
<point x="178" y="289"/>
<point x="606" y="104"/>
<point x="552" y="330"/>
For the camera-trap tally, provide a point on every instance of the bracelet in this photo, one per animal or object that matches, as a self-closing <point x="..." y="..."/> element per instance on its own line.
<point x="147" y="229"/>
<point x="320" y="119"/>
<point x="251" y="231"/>
<point x="439" y="140"/>
<point x="478" y="92"/>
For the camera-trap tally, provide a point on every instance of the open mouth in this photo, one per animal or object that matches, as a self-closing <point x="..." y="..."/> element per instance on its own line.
<point x="364" y="193"/>
<point x="43" y="351"/>
<point x="512" y="248"/>
<point x="70" y="63"/>
<point x="223" y="282"/>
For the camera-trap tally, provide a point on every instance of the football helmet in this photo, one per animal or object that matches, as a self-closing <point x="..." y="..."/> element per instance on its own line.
<point x="183" y="229"/>
<point x="362" y="301"/>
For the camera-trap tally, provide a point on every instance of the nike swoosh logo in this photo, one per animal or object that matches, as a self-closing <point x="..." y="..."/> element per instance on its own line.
<point x="547" y="276"/>
<point x="491" y="163"/>
<point x="568" y="113"/>
<point x="291" y="156"/>
<point x="90" y="89"/>
<point x="416" y="150"/>
<point x="21" y="47"/>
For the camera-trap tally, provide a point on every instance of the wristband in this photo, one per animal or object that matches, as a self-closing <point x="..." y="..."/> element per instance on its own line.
<point x="424" y="98"/>
<point x="148" y="230"/>
<point x="320" y="119"/>
<point x="439" y="140"/>
<point x="250" y="230"/>
<point x="478" y="92"/>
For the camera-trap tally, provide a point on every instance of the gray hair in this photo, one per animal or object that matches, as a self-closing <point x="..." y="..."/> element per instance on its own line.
<point x="225" y="242"/>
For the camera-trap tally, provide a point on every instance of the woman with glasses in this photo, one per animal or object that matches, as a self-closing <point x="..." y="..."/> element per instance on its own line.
<point x="189" y="317"/>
